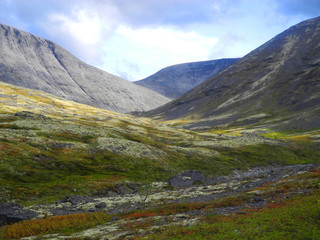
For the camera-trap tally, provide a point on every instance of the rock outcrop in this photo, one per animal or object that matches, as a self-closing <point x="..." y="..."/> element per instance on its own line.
<point x="11" y="213"/>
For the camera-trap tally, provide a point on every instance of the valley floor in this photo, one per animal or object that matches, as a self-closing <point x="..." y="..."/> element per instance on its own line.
<point x="223" y="207"/>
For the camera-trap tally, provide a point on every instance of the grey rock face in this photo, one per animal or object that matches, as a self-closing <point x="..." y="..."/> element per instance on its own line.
<point x="33" y="62"/>
<point x="178" y="79"/>
<point x="278" y="84"/>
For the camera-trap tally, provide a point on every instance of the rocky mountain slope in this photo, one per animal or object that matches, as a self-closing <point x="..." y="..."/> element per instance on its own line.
<point x="30" y="61"/>
<point x="178" y="79"/>
<point x="277" y="84"/>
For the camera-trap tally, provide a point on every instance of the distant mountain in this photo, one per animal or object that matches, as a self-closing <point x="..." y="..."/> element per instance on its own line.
<point x="278" y="84"/>
<point x="33" y="62"/>
<point x="178" y="79"/>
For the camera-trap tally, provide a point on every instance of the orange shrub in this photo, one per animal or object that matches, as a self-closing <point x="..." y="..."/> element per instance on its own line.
<point x="315" y="172"/>
<point x="274" y="205"/>
<point x="52" y="224"/>
<point x="140" y="215"/>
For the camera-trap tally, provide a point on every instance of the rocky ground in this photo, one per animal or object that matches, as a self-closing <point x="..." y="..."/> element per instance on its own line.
<point x="187" y="188"/>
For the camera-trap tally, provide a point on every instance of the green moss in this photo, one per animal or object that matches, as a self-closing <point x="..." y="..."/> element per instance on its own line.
<point x="6" y="119"/>
<point x="274" y="135"/>
<point x="265" y="154"/>
<point x="33" y="172"/>
<point x="14" y="126"/>
<point x="68" y="136"/>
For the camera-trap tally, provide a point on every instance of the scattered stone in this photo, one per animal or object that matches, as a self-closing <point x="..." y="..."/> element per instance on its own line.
<point x="187" y="179"/>
<point x="257" y="199"/>
<point x="118" y="189"/>
<point x="101" y="205"/>
<point x="111" y="194"/>
<point x="77" y="199"/>
<point x="114" y="218"/>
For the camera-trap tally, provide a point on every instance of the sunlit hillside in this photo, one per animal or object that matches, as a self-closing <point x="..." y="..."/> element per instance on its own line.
<point x="51" y="147"/>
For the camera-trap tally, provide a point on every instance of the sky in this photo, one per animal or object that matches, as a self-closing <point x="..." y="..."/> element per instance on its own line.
<point x="136" y="38"/>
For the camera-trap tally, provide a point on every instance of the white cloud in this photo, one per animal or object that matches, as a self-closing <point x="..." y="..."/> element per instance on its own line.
<point x="85" y="27"/>
<point x="83" y="30"/>
<point x="178" y="43"/>
<point x="134" y="39"/>
<point x="152" y="49"/>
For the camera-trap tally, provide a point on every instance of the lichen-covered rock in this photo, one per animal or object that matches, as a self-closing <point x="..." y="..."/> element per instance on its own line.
<point x="130" y="148"/>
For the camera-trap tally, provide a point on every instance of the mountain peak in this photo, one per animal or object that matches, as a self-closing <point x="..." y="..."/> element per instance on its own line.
<point x="29" y="61"/>
<point x="278" y="82"/>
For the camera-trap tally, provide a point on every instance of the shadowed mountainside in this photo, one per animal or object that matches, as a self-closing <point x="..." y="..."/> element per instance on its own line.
<point x="178" y="79"/>
<point x="277" y="84"/>
<point x="29" y="61"/>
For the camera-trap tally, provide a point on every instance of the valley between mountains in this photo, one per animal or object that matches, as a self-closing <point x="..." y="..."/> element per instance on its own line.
<point x="237" y="157"/>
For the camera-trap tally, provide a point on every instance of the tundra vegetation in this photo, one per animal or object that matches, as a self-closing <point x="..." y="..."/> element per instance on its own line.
<point x="51" y="148"/>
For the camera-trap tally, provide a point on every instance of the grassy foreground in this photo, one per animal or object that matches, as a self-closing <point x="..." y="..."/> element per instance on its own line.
<point x="298" y="218"/>
<point x="288" y="214"/>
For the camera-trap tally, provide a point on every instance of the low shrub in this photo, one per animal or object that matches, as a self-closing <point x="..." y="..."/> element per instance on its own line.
<point x="295" y="219"/>
<point x="66" y="224"/>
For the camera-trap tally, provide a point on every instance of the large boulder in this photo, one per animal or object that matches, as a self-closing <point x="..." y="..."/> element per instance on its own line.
<point x="12" y="213"/>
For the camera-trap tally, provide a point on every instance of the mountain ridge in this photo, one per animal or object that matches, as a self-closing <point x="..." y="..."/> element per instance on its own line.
<point x="33" y="62"/>
<point x="175" y="80"/>
<point x="277" y="80"/>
